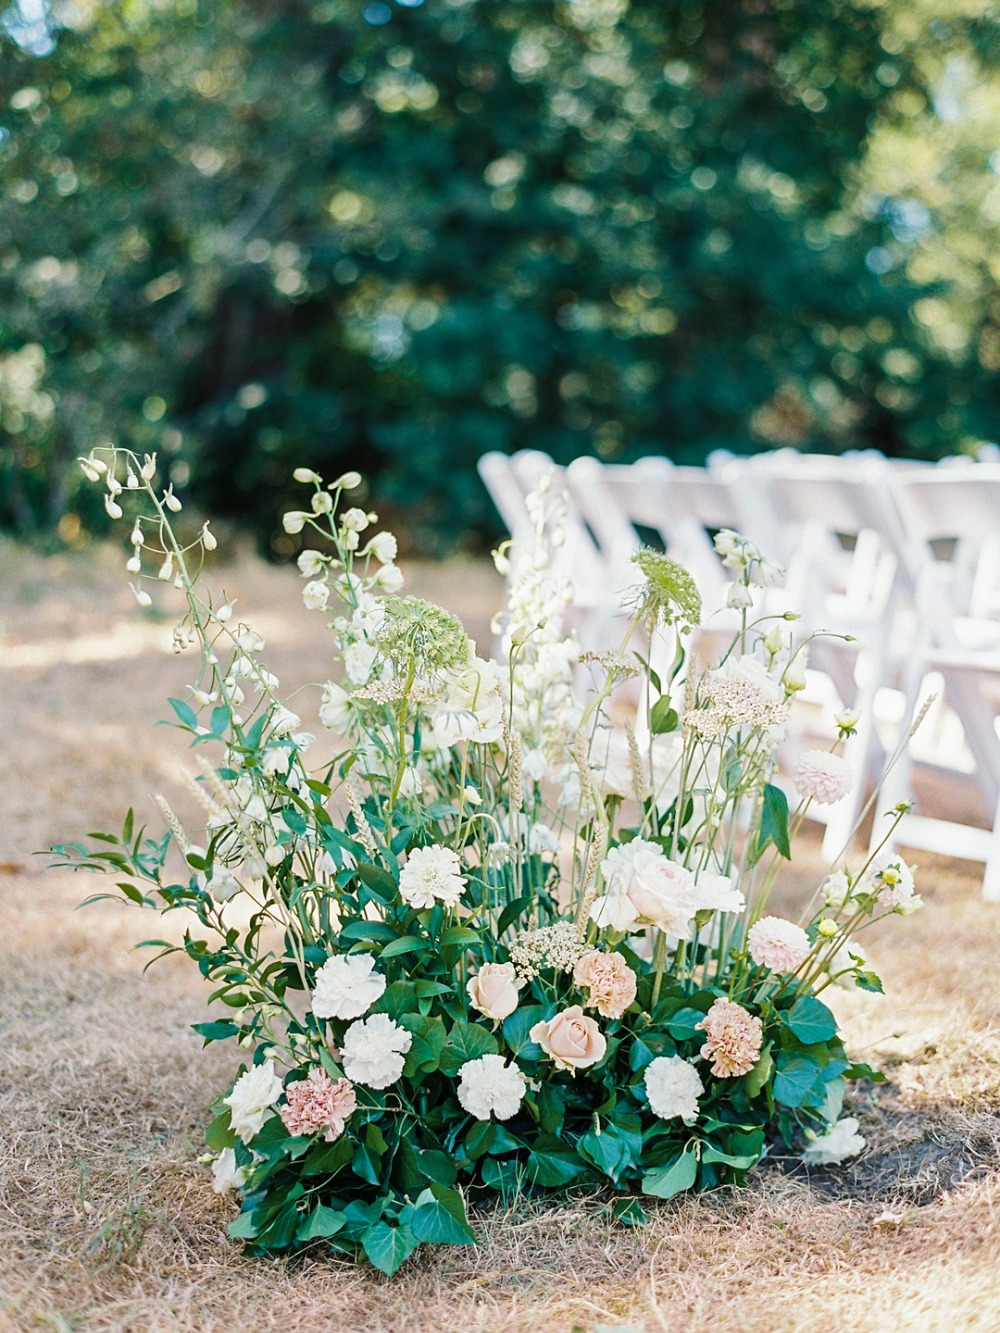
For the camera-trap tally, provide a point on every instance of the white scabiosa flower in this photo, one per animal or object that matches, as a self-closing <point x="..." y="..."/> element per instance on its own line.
<point x="346" y="986"/>
<point x="778" y="944"/>
<point x="490" y="1086"/>
<point x="373" y="1051"/>
<point x="431" y="875"/>
<point x="823" y="777"/>
<point x="673" y="1087"/>
<point x="839" y="1143"/>
<point x="226" y="1175"/>
<point x="254" y="1092"/>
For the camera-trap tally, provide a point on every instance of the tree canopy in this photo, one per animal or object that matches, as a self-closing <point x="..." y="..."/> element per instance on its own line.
<point x="394" y="235"/>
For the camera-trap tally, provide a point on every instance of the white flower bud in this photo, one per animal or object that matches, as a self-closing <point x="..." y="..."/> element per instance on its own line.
<point x="148" y="469"/>
<point x="307" y="476"/>
<point x="166" y="570"/>
<point x="171" y="500"/>
<point x="143" y="598"/>
<point x="137" y="538"/>
<point x="114" y="509"/>
<point x="208" y="539"/>
<point x="92" y="468"/>
<point x="294" y="521"/>
<point x="132" y="481"/>
<point x="114" y="485"/>
<point x="351" y="540"/>
<point x="134" y="564"/>
<point x="739" y="597"/>
<point x="274" y="855"/>
<point x="350" y="481"/>
<point x="224" y="613"/>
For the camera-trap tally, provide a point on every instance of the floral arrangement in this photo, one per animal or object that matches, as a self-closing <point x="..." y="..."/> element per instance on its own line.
<point x="495" y="942"/>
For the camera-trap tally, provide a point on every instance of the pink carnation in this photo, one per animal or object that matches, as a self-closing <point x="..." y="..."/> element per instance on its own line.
<point x="316" y="1103"/>
<point x="823" y="777"/>
<point x="734" y="1039"/>
<point x="610" y="981"/>
<point x="778" y="944"/>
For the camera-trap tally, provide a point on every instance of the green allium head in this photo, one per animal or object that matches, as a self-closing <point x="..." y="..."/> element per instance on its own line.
<point x="670" y="594"/>
<point x="418" y="633"/>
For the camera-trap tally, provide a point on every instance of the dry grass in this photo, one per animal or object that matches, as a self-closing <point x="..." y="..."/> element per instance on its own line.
<point x="109" y="1223"/>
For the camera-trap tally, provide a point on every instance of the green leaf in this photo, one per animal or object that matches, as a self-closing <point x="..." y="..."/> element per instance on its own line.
<point x="405" y="944"/>
<point x="553" y="1163"/>
<point x="862" y="1070"/>
<point x="243" y="1227"/>
<point x="678" y="1176"/>
<point x="760" y="1073"/>
<point x="379" y="881"/>
<point x="512" y="911"/>
<point x="439" y="1217"/>
<point x="218" y="1031"/>
<point x="773" y="824"/>
<point x="684" y="1024"/>
<point x="388" y="1247"/>
<point x="326" y="1159"/>
<point x="797" y="1078"/>
<point x="220" y="1134"/>
<point x="738" y="1161"/>
<point x="663" y="718"/>
<point x="186" y="714"/>
<point x="466" y="1041"/>
<point x="811" y="1020"/>
<point x="629" y="1213"/>
<point x="868" y="980"/>
<point x="460" y="935"/>
<point x="518" y="1025"/>
<point x="607" y="1151"/>
<point x="320" y="1223"/>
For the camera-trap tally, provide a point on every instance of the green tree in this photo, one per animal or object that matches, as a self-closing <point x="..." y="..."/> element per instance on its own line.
<point x="395" y="235"/>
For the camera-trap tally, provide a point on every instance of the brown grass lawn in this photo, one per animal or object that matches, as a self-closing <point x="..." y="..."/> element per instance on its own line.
<point x="108" y="1220"/>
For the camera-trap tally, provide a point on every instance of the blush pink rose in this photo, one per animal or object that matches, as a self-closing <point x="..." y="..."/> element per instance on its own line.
<point x="571" y="1039"/>
<point x="609" y="980"/>
<point x="493" y="990"/>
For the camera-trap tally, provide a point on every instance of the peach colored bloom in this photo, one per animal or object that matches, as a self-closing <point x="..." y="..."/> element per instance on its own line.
<point x="823" y="777"/>
<point x="778" y="944"/>
<point x="316" y="1103"/>
<point x="734" y="1039"/>
<point x="571" y="1039"/>
<point x="610" y="981"/>
<point x="493" y="990"/>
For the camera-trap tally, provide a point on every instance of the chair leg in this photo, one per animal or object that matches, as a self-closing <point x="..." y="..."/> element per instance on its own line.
<point x="991" y="876"/>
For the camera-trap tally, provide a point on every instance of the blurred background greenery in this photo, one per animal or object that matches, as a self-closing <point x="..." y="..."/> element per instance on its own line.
<point x="394" y="235"/>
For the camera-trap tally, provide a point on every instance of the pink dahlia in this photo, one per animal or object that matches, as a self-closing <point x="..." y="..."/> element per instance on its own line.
<point x="734" y="1039"/>
<point x="778" y="944"/>
<point x="317" y="1103"/>
<point x="823" y="777"/>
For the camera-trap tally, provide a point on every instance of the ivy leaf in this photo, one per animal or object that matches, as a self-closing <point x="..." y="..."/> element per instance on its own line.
<point x="678" y="1176"/>
<point x="439" y="1217"/>
<point x="388" y="1247"/>
<point x="320" y="1223"/>
<point x="811" y="1020"/>
<point x="466" y="1041"/>
<point x="797" y="1078"/>
<point x="552" y="1162"/>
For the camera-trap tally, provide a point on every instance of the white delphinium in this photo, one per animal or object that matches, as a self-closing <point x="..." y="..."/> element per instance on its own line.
<point x="373" y="1051"/>
<point x="316" y="595"/>
<point x="384" y="548"/>
<point x="839" y="1143"/>
<point x="346" y="986"/>
<point x="253" y="1094"/>
<point x="335" y="712"/>
<point x="431" y="875"/>
<point x="673" y="1086"/>
<point x="490" y="1086"/>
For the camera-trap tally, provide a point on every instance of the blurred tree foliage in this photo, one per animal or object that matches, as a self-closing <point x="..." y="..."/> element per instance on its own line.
<point x="394" y="235"/>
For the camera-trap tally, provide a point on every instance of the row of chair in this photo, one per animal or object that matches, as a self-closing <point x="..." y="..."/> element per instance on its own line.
<point x="903" y="557"/>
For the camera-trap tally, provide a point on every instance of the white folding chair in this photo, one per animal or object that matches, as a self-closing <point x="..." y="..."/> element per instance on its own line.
<point x="951" y="519"/>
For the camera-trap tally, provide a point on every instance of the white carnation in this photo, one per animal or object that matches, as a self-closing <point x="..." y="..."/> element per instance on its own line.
<point x="673" y="1087"/>
<point x="841" y="1141"/>
<point x="346" y="986"/>
<point x="373" y="1051"/>
<point x="431" y="874"/>
<point x="489" y="1086"/>
<point x="253" y="1093"/>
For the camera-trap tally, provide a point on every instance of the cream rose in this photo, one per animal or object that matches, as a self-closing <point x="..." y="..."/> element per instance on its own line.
<point x="493" y="990"/>
<point x="571" y="1039"/>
